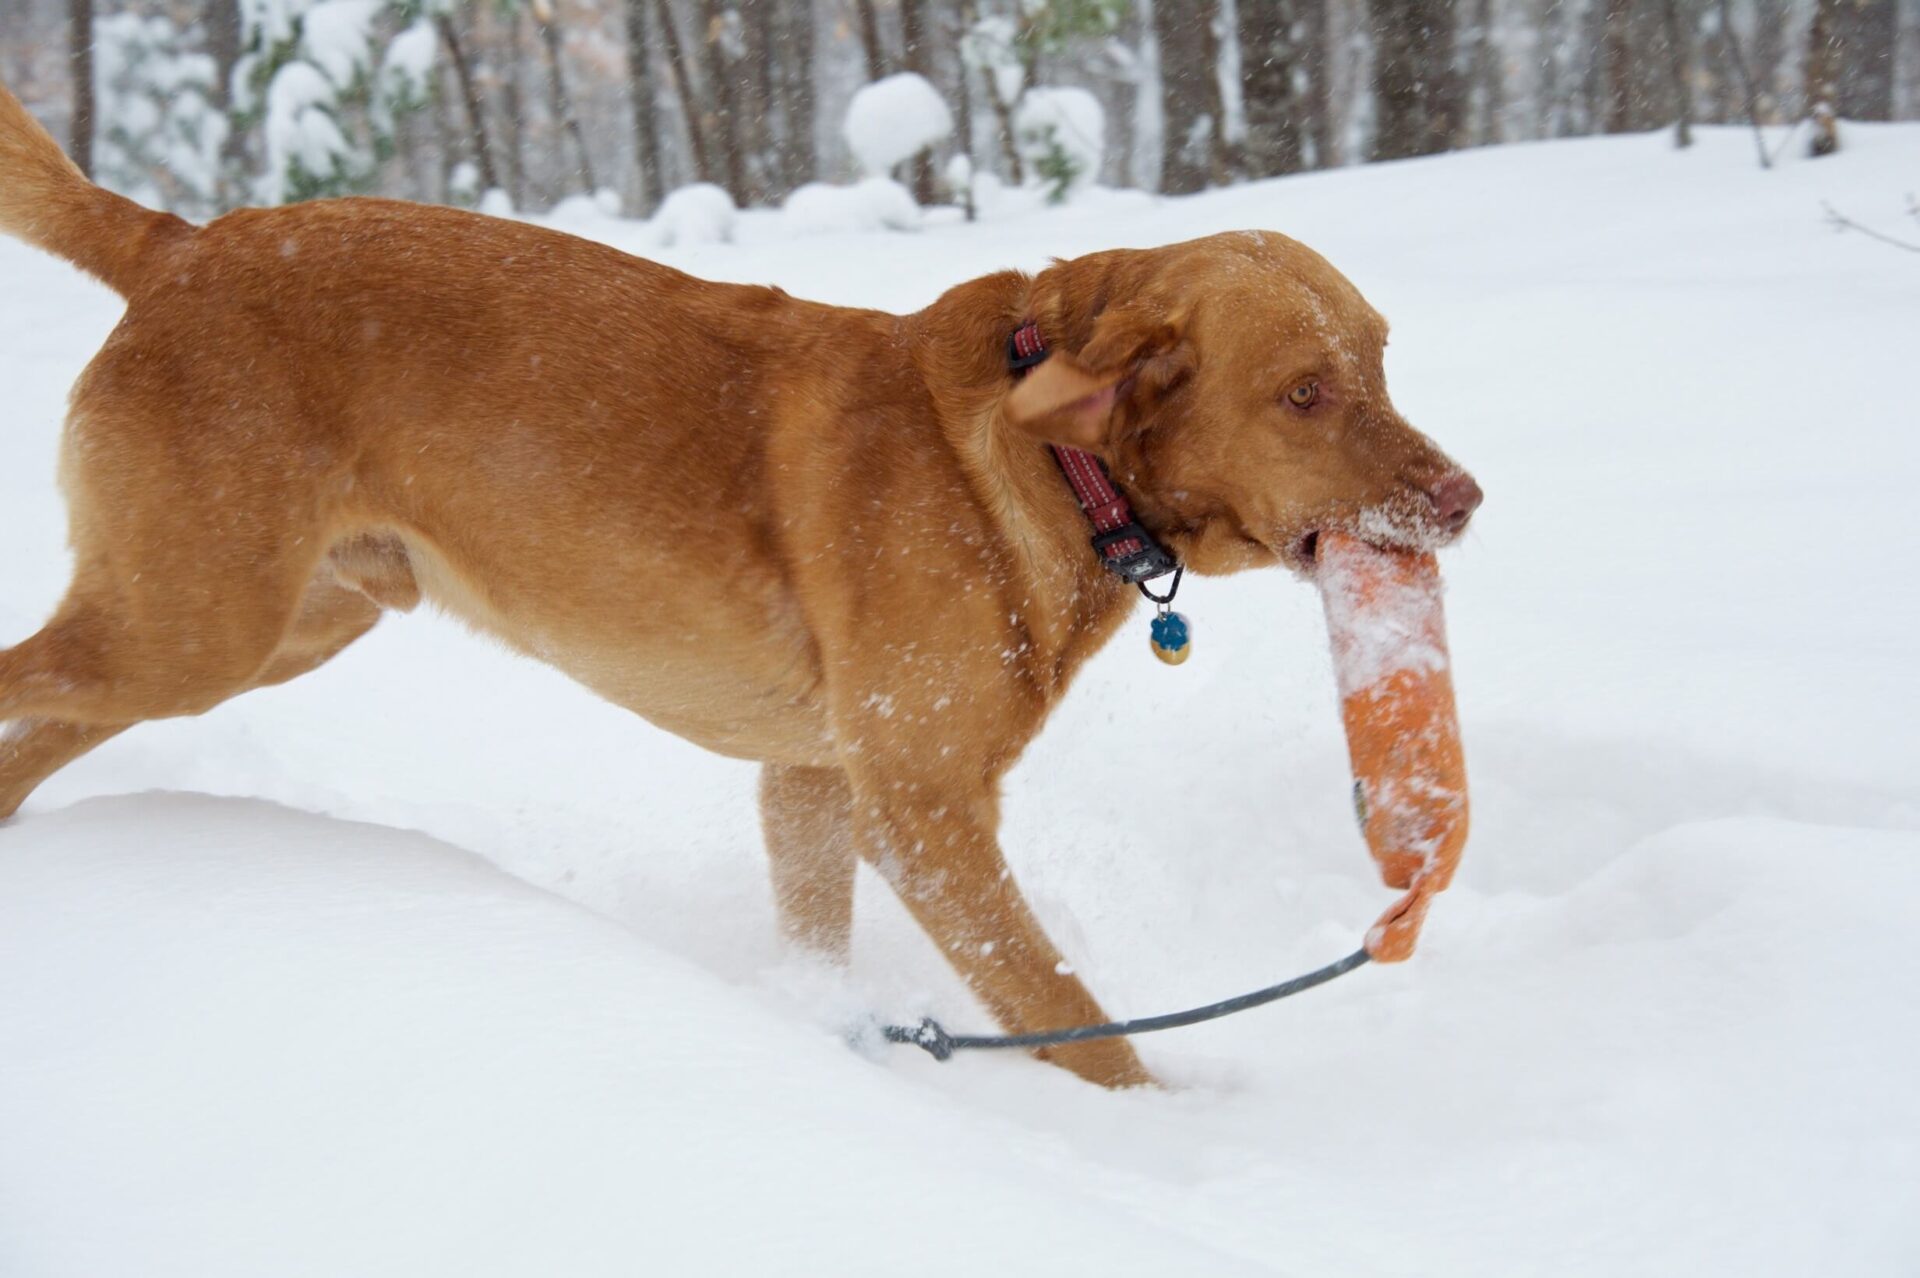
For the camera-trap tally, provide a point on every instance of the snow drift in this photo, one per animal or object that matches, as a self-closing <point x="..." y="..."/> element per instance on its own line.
<point x="261" y="1042"/>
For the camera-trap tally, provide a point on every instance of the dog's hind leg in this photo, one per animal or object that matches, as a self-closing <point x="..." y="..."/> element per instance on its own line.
<point x="807" y="816"/>
<point x="196" y="532"/>
<point x="144" y="642"/>
<point x="31" y="750"/>
<point x="330" y="617"/>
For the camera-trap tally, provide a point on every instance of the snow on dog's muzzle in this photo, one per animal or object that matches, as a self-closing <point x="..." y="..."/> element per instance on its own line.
<point x="1389" y="639"/>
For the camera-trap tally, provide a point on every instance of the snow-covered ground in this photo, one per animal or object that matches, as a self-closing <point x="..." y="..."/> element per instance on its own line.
<point x="289" y="1017"/>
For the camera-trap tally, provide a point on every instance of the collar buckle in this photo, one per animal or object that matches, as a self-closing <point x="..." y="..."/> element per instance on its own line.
<point x="1025" y="348"/>
<point x="1147" y="560"/>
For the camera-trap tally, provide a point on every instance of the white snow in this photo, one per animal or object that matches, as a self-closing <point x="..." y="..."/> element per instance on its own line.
<point x="1662" y="1023"/>
<point x="894" y="119"/>
<point x="958" y="173"/>
<point x="463" y="182"/>
<point x="872" y="204"/>
<point x="582" y="214"/>
<point x="379" y="1055"/>
<point x="1382" y="617"/>
<point x="495" y="203"/>
<point x="698" y="214"/>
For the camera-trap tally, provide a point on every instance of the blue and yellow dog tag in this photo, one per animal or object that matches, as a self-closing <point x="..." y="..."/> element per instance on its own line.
<point x="1172" y="638"/>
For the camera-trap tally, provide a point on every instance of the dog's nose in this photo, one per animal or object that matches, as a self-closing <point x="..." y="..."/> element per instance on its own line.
<point x="1455" y="497"/>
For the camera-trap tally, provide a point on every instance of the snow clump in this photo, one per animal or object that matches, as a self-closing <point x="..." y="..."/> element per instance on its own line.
<point x="895" y="119"/>
<point x="698" y="214"/>
<point x="1062" y="136"/>
<point x="874" y="204"/>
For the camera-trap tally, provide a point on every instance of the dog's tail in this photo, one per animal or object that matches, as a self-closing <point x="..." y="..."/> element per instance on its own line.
<point x="46" y="201"/>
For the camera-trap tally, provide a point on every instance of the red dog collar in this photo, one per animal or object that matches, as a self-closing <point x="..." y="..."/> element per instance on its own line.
<point x="1125" y="548"/>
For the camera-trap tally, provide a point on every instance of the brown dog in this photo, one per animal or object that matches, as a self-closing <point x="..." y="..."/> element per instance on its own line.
<point x="880" y="581"/>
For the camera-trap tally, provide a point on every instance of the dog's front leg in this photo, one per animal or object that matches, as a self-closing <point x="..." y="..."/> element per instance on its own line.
<point x="807" y="816"/>
<point x="934" y="841"/>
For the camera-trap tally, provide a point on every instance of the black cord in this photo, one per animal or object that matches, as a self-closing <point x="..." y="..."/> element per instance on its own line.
<point x="939" y="1044"/>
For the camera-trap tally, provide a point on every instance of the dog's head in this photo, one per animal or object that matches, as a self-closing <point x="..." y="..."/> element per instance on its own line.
<point x="1235" y="386"/>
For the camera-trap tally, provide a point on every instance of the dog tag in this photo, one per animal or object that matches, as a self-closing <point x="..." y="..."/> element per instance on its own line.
<point x="1172" y="638"/>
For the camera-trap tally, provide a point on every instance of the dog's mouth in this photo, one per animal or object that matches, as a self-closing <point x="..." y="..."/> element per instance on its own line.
<point x="1381" y="528"/>
<point x="1303" y="554"/>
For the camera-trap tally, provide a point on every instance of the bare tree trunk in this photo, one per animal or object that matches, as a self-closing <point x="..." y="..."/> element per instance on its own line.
<point x="1221" y="160"/>
<point x="223" y="44"/>
<point x="1270" y="74"/>
<point x="1002" y="111"/>
<point x="648" y="155"/>
<point x="1867" y="32"/>
<point x="1187" y="146"/>
<point x="918" y="56"/>
<point x="1416" y="99"/>
<point x="443" y="138"/>
<point x="470" y="95"/>
<point x="1772" y="21"/>
<point x="1679" y="58"/>
<point x="755" y="101"/>
<point x="1823" y="57"/>
<point x="721" y="89"/>
<point x="1616" y="57"/>
<point x="1316" y="45"/>
<point x="1906" y="62"/>
<point x="870" y="39"/>
<point x="1009" y="153"/>
<point x="682" y="72"/>
<point x="963" y="110"/>
<point x="559" y="101"/>
<point x="1746" y="81"/>
<point x="1557" y="31"/>
<point x="1488" y="80"/>
<point x="793" y="65"/>
<point x="80" y="64"/>
<point x="1398" y="119"/>
<point x="513" y="90"/>
<point x="1444" y="80"/>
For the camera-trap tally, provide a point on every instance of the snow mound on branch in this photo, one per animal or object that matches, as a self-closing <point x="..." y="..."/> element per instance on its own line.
<point x="992" y="47"/>
<point x="894" y="119"/>
<point x="875" y="204"/>
<point x="336" y="35"/>
<point x="300" y="124"/>
<point x="1065" y="126"/>
<point x="698" y="214"/>
<point x="406" y="71"/>
<point x="160" y="135"/>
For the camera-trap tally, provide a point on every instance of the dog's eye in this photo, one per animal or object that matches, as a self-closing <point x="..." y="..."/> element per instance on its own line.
<point x="1304" y="395"/>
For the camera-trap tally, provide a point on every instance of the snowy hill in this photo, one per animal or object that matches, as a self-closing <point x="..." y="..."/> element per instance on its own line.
<point x="1662" y="1024"/>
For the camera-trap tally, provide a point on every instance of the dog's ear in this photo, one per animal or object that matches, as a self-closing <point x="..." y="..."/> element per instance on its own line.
<point x="1108" y="389"/>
